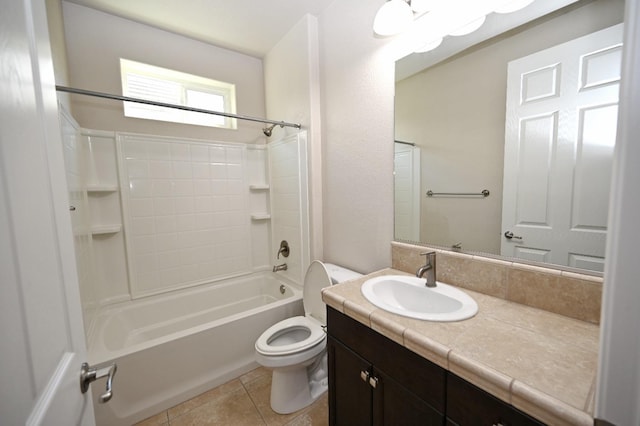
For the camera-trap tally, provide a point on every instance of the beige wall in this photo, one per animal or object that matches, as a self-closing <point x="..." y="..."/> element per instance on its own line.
<point x="455" y="112"/>
<point x="58" y="46"/>
<point x="95" y="43"/>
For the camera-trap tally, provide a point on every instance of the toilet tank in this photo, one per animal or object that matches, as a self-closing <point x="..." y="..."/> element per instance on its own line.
<point x="340" y="274"/>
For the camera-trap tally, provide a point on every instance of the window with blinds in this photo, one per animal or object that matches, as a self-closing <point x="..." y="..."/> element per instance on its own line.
<point x="173" y="87"/>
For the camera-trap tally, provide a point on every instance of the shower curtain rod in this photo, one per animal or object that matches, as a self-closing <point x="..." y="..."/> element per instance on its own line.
<point x="182" y="107"/>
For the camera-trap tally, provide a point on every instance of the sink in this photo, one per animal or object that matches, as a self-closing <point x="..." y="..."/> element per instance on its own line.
<point x="408" y="296"/>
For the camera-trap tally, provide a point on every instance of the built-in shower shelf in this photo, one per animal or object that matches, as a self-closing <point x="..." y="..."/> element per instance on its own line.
<point x="260" y="216"/>
<point x="260" y="187"/>
<point x="102" y="188"/>
<point x="106" y="229"/>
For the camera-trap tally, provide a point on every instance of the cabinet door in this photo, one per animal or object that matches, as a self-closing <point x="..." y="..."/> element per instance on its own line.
<point x="469" y="405"/>
<point x="350" y="397"/>
<point x="393" y="404"/>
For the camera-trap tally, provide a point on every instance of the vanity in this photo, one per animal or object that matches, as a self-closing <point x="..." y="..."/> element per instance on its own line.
<point x="510" y="364"/>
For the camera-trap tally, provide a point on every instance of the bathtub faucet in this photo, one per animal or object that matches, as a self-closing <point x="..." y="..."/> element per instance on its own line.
<point x="282" y="267"/>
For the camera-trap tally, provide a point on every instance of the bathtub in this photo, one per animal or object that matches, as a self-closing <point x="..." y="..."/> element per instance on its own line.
<point x="172" y="347"/>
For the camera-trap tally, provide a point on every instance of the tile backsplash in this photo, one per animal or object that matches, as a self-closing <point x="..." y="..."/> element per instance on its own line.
<point x="566" y="293"/>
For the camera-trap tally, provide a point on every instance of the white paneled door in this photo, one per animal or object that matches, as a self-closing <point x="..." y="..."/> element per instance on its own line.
<point x="406" y="179"/>
<point x="41" y="328"/>
<point x="562" y="108"/>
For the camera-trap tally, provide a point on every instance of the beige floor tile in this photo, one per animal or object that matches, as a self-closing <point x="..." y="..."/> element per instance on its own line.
<point x="206" y="397"/>
<point x="232" y="408"/>
<point x="316" y="415"/>
<point x="159" y="419"/>
<point x="255" y="374"/>
<point x="260" y="392"/>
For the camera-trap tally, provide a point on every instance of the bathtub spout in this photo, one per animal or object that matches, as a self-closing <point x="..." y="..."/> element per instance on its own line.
<point x="282" y="267"/>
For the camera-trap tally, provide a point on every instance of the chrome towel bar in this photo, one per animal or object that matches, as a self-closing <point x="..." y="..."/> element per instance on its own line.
<point x="483" y="193"/>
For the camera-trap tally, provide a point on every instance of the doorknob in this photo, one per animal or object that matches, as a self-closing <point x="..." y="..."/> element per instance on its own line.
<point x="89" y="374"/>
<point x="509" y="235"/>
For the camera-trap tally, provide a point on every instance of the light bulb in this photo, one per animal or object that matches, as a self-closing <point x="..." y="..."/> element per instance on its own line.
<point x="429" y="45"/>
<point x="423" y="6"/>
<point x="512" y="6"/>
<point x="393" y="17"/>
<point x="468" y="28"/>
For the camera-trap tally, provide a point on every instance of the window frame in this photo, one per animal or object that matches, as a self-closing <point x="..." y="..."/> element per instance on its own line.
<point x="186" y="82"/>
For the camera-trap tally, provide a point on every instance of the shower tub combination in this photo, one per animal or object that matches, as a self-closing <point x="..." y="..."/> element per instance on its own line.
<point x="172" y="347"/>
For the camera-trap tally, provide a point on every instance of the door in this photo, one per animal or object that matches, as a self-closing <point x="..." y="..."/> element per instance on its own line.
<point x="349" y="392"/>
<point x="40" y="316"/>
<point x="406" y="178"/>
<point x="561" y="120"/>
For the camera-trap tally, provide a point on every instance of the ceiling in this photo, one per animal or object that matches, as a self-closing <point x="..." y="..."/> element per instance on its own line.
<point x="251" y="27"/>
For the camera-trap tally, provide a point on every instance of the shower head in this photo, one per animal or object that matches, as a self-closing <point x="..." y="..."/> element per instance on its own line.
<point x="269" y="129"/>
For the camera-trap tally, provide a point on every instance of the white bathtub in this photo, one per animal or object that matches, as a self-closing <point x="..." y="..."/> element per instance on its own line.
<point x="170" y="348"/>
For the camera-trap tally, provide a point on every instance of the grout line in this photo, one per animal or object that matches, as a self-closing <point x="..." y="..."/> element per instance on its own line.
<point x="255" y="406"/>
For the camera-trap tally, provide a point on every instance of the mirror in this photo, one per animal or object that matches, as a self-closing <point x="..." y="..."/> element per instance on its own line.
<point x="546" y="172"/>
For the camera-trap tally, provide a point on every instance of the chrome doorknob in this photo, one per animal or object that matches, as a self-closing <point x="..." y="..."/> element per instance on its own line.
<point x="509" y="235"/>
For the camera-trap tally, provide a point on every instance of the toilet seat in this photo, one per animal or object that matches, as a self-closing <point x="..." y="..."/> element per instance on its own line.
<point x="308" y="324"/>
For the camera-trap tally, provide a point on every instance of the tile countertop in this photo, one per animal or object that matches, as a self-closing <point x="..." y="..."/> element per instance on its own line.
<point x="540" y="362"/>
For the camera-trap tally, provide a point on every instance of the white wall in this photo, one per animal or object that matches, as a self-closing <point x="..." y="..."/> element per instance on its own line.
<point x="455" y="111"/>
<point x="95" y="43"/>
<point x="292" y="90"/>
<point x="357" y="77"/>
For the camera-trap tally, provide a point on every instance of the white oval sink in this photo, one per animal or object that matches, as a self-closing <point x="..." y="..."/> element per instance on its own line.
<point x="410" y="297"/>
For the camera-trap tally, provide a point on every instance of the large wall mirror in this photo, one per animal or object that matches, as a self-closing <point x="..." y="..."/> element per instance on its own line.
<point x="506" y="147"/>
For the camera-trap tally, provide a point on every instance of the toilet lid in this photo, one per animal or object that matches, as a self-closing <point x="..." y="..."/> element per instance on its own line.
<point x="315" y="280"/>
<point x="316" y="335"/>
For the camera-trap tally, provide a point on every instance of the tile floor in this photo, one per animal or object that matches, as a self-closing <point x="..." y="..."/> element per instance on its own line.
<point x="243" y="401"/>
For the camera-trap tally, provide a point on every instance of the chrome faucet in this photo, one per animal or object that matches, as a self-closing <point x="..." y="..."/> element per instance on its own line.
<point x="282" y="267"/>
<point x="429" y="268"/>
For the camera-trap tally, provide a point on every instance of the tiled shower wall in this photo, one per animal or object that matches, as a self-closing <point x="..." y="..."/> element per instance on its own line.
<point x="75" y="167"/>
<point x="186" y="212"/>
<point x="289" y="203"/>
<point x="151" y="214"/>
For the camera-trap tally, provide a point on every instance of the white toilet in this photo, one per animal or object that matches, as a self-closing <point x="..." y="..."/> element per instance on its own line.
<point x="295" y="347"/>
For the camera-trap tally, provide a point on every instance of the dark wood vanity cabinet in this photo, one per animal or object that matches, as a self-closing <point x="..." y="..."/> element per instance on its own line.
<point x="470" y="405"/>
<point x="375" y="381"/>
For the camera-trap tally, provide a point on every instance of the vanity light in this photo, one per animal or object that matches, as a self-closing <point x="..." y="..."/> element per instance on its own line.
<point x="423" y="6"/>
<point x="393" y="17"/>
<point x="468" y="28"/>
<point x="427" y="22"/>
<point x="429" y="46"/>
<point x="512" y="6"/>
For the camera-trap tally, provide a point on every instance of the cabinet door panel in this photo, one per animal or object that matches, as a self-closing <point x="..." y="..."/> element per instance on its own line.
<point x="393" y="404"/>
<point x="469" y="405"/>
<point x="350" y="397"/>
<point x="422" y="377"/>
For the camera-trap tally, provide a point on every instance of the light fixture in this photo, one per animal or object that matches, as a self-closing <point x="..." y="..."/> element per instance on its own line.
<point x="512" y="6"/>
<point x="427" y="22"/>
<point x="423" y="6"/>
<point x="429" y="46"/>
<point x="469" y="27"/>
<point x="393" y="17"/>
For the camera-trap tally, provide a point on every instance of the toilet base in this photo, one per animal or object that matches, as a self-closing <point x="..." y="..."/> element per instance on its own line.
<point x="292" y="389"/>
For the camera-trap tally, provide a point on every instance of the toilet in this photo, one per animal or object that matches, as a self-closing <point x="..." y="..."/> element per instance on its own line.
<point x="294" y="348"/>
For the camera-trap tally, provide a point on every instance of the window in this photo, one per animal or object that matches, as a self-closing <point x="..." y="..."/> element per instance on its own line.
<point x="173" y="87"/>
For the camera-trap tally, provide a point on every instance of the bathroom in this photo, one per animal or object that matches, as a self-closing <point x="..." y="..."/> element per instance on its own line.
<point x="351" y="65"/>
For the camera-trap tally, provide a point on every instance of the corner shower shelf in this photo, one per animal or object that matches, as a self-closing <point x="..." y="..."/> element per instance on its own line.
<point x="106" y="229"/>
<point x="102" y="188"/>
<point x="261" y="187"/>
<point x="260" y="216"/>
